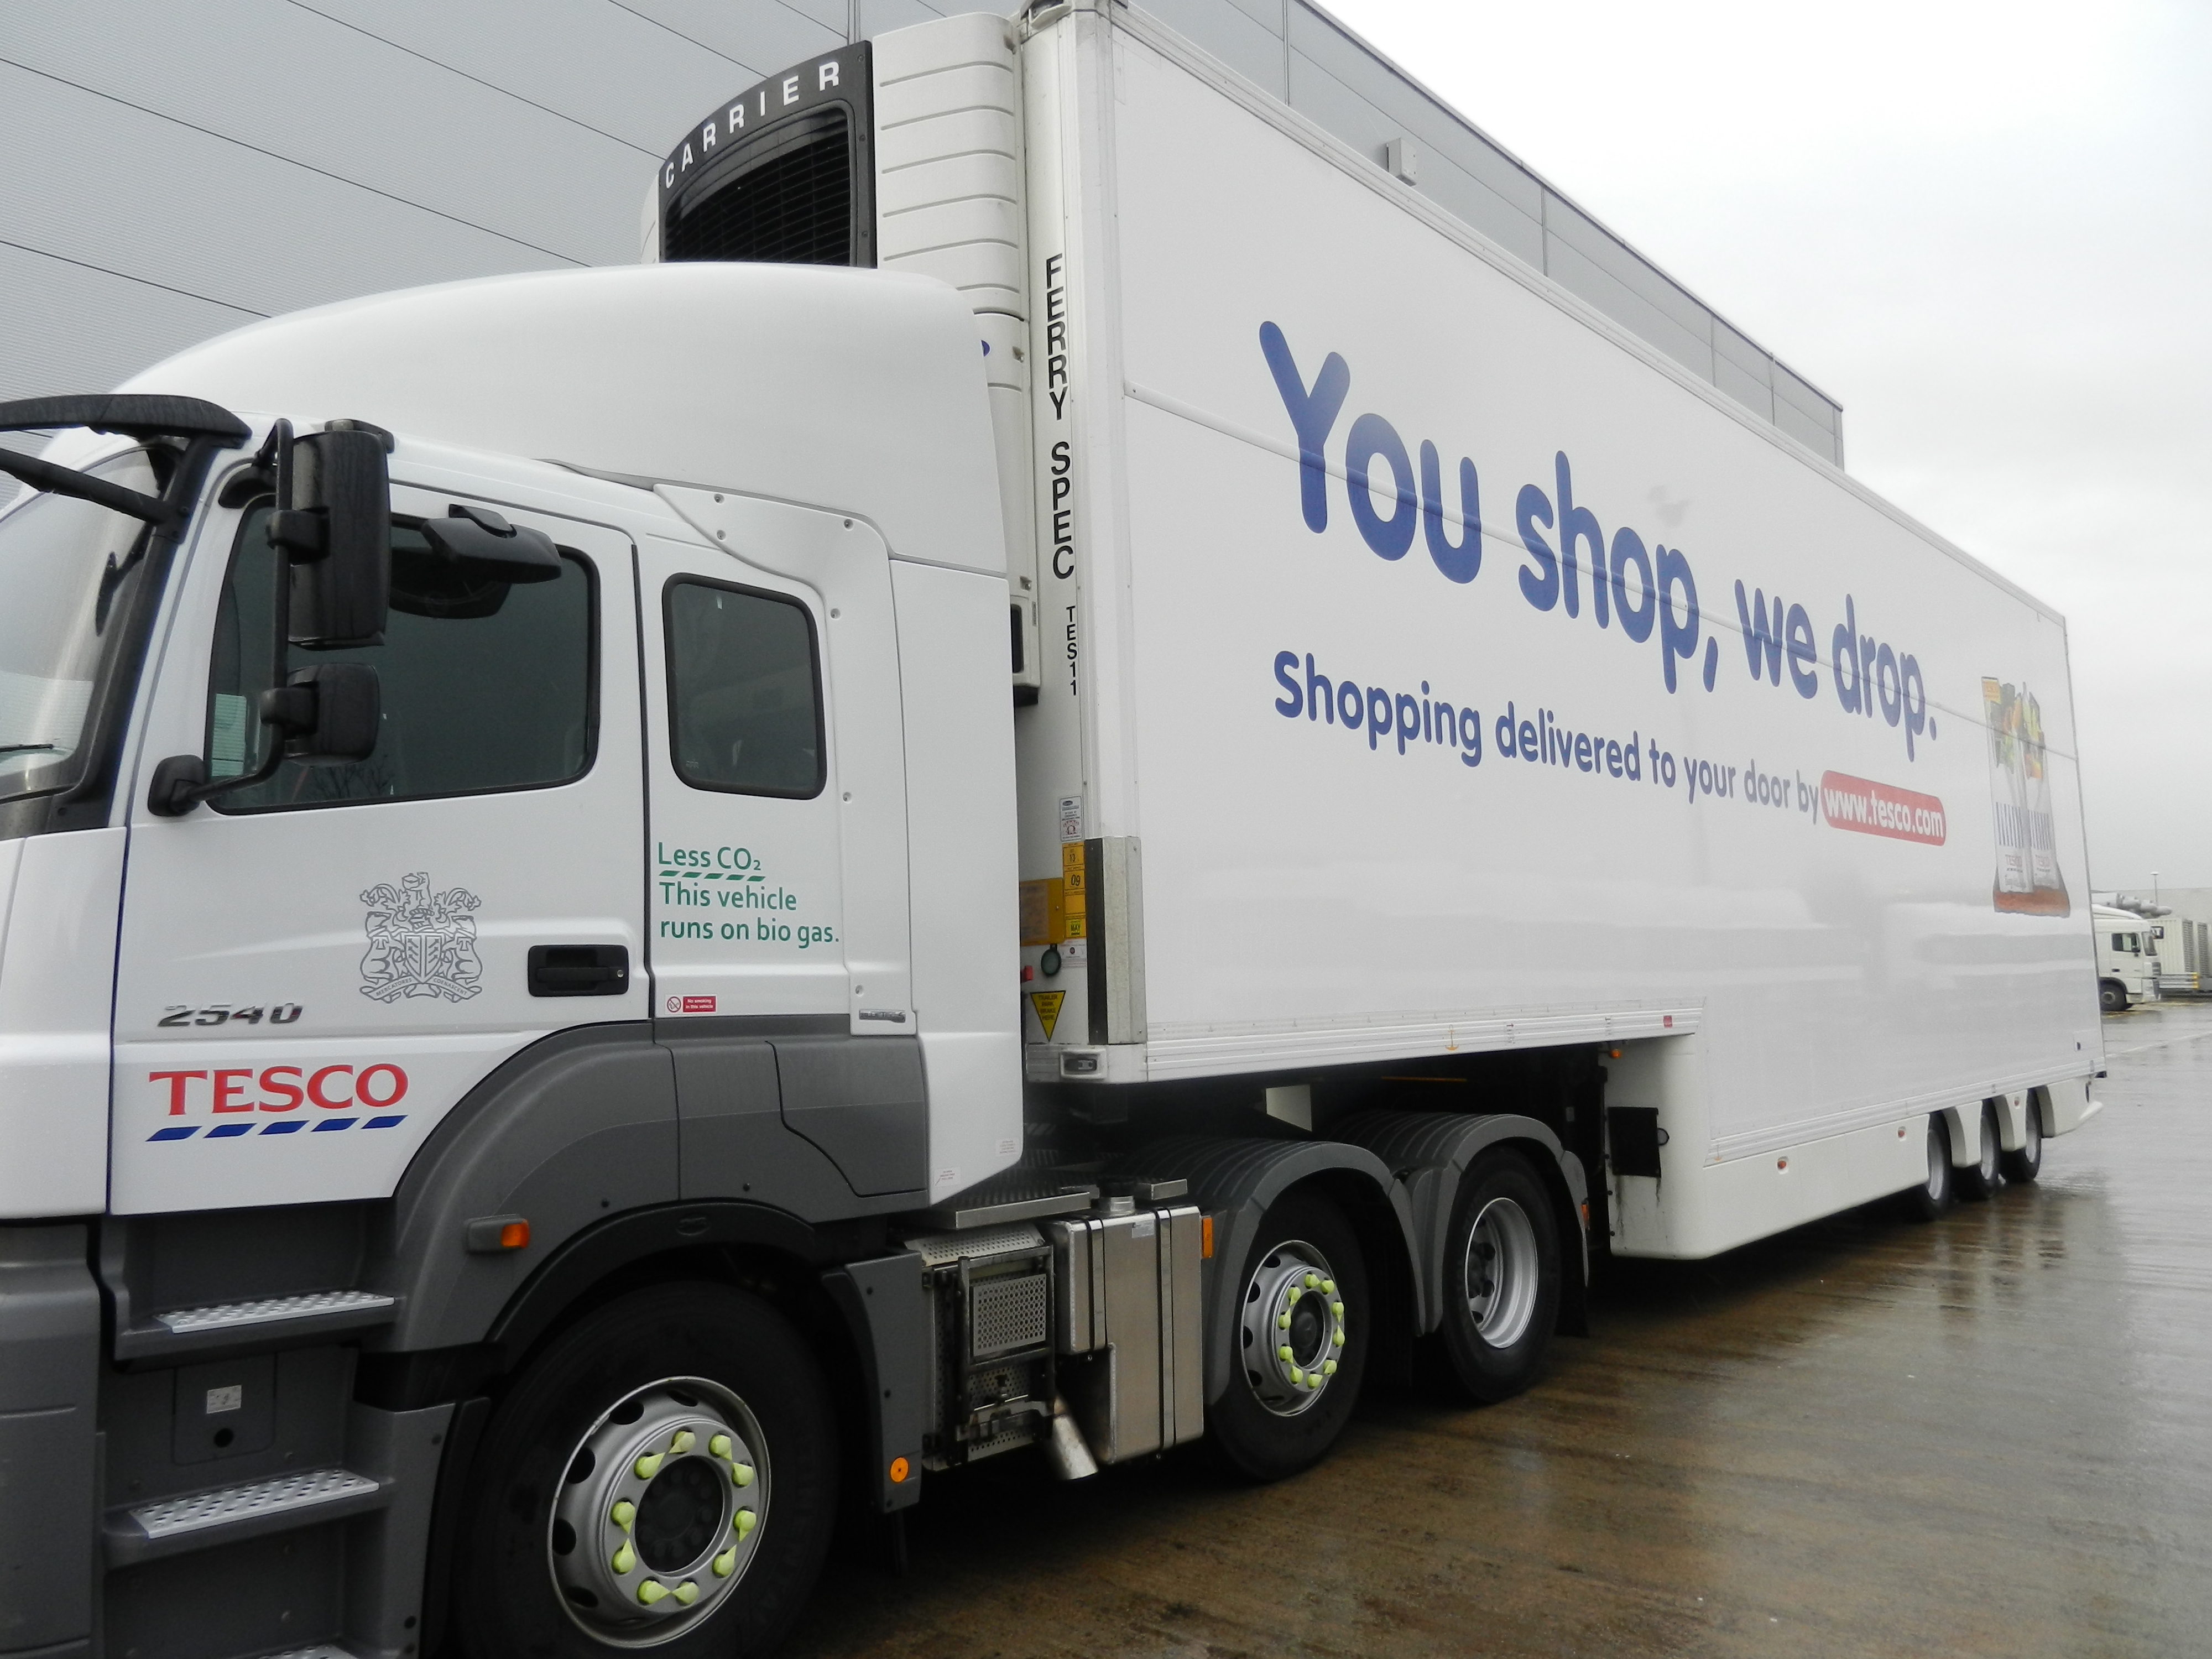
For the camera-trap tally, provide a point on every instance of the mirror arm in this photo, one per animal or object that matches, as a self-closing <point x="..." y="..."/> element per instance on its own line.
<point x="68" y="481"/>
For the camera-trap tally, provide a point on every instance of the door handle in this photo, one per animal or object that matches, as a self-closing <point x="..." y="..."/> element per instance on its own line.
<point x="579" y="970"/>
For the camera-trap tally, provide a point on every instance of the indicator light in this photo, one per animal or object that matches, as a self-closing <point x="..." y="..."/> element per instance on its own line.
<point x="1205" y="1237"/>
<point x="516" y="1235"/>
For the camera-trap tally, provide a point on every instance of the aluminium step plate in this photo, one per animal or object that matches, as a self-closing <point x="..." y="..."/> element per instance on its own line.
<point x="254" y="1499"/>
<point x="231" y="1315"/>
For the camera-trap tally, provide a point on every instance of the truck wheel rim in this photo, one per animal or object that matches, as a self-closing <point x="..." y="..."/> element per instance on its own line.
<point x="659" y="1512"/>
<point x="1501" y="1267"/>
<point x="1293" y="1327"/>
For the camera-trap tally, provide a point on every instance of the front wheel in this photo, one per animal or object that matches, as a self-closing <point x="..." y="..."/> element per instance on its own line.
<point x="663" y="1476"/>
<point x="1303" y="1332"/>
<point x="1502" y="1284"/>
<point x="2112" y="996"/>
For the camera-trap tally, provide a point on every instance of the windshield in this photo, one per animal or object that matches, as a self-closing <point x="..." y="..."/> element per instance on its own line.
<point x="62" y="563"/>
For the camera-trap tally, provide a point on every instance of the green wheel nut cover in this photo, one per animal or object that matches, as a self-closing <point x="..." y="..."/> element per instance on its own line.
<point x="624" y="1559"/>
<point x="651" y="1590"/>
<point x="684" y="1441"/>
<point x="719" y="1446"/>
<point x="647" y="1467"/>
<point x="1337" y="1336"/>
<point x="1297" y="1376"/>
<point x="726" y="1561"/>
<point x="746" y="1522"/>
<point x="1328" y="1368"/>
<point x="1313" y="1281"/>
<point x="1292" y="1299"/>
<point x="1329" y="1285"/>
<point x="742" y="1474"/>
<point x="1337" y="1308"/>
<point x="1283" y="1353"/>
<point x="686" y="1592"/>
<point x="1282" y="1322"/>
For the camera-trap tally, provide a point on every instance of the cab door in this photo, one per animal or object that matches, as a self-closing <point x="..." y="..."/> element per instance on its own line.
<point x="314" y="969"/>
<point x="777" y="851"/>
<point x="776" y="782"/>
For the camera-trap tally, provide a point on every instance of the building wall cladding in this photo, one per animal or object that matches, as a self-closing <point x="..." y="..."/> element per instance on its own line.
<point x="178" y="171"/>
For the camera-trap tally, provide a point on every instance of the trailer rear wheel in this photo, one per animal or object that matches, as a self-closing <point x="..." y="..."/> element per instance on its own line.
<point x="663" y="1476"/>
<point x="1932" y="1198"/>
<point x="2026" y="1164"/>
<point x="1983" y="1179"/>
<point x="1302" y="1331"/>
<point x="1502" y="1267"/>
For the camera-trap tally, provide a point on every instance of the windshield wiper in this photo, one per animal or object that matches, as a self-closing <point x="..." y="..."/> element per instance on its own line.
<point x="28" y="748"/>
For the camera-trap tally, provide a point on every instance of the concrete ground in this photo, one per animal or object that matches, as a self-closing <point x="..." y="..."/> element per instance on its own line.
<point x="1988" y="1436"/>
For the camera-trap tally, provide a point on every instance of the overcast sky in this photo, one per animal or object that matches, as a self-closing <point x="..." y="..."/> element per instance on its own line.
<point x="1987" y="230"/>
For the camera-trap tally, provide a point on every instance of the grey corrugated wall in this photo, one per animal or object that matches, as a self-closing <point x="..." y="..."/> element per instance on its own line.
<point x="178" y="170"/>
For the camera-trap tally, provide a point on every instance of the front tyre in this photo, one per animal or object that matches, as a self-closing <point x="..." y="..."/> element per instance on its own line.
<point x="1502" y="1277"/>
<point x="2112" y="996"/>
<point x="1304" y="1328"/>
<point x="663" y="1476"/>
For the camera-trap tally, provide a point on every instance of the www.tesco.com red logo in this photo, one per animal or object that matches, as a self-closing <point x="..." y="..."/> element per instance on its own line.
<point x="329" y="1099"/>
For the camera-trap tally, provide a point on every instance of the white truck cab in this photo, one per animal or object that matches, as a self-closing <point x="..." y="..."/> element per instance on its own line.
<point x="2127" y="959"/>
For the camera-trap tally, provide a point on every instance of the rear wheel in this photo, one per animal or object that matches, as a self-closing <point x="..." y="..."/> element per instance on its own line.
<point x="1303" y="1333"/>
<point x="1932" y="1198"/>
<point x="1502" y="1267"/>
<point x="2112" y="996"/>
<point x="663" y="1476"/>
<point x="2026" y="1164"/>
<point x="1983" y="1180"/>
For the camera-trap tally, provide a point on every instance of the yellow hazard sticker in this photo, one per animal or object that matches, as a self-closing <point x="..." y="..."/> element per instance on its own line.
<point x="1046" y="1004"/>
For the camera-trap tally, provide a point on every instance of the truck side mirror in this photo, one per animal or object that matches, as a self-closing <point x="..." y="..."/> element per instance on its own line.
<point x="328" y="715"/>
<point x="333" y="524"/>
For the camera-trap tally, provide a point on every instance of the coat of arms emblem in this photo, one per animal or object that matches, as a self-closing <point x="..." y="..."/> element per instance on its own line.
<point x="421" y="944"/>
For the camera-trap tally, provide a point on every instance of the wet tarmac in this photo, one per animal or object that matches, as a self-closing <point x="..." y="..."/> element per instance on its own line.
<point x="1991" y="1435"/>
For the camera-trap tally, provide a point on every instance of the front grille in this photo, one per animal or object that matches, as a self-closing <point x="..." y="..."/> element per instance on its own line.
<point x="787" y="202"/>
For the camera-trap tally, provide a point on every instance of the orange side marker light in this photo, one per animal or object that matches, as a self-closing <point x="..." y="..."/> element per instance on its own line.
<point x="1205" y="1237"/>
<point x="516" y="1235"/>
<point x="898" y="1471"/>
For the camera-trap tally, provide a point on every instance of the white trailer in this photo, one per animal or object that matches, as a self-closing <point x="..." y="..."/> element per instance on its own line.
<point x="559" y="987"/>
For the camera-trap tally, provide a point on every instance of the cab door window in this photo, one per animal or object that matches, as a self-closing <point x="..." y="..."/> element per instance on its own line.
<point x="745" y="690"/>
<point x="486" y="685"/>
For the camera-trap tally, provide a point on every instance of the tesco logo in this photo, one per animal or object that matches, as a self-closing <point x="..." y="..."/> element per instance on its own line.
<point x="283" y="1088"/>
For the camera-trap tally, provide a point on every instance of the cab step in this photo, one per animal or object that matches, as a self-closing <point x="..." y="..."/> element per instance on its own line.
<point x="223" y="1515"/>
<point x="268" y="1320"/>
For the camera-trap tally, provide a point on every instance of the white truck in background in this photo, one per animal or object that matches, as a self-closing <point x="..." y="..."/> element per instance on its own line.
<point x="2128" y="967"/>
<point x="642" y="902"/>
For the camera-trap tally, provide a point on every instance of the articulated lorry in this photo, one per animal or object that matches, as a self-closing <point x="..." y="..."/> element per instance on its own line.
<point x="647" y="906"/>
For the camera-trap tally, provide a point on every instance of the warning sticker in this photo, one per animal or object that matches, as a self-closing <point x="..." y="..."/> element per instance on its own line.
<point x="1046" y="1004"/>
